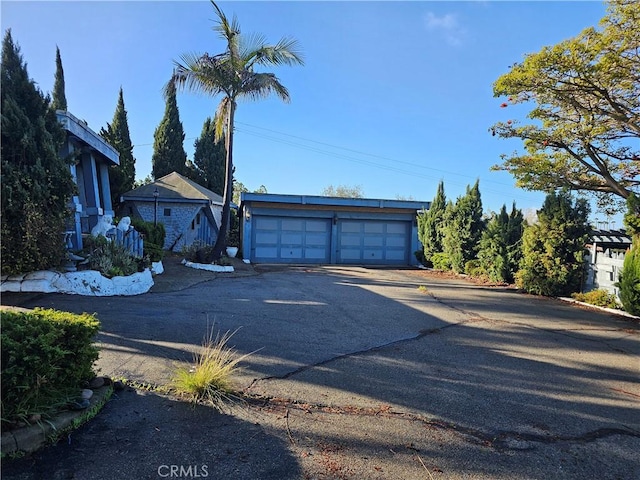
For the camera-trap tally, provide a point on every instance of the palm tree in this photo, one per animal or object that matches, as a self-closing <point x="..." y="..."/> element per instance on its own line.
<point x="231" y="74"/>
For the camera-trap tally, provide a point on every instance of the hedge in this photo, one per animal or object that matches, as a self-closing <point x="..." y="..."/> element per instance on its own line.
<point x="47" y="355"/>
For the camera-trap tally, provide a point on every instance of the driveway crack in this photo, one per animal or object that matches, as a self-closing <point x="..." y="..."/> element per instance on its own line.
<point x="500" y="440"/>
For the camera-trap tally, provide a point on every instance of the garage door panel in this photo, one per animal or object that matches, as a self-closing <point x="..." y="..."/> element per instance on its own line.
<point x="278" y="239"/>
<point x="374" y="227"/>
<point x="262" y="223"/>
<point x="269" y="253"/>
<point x="267" y="238"/>
<point x="373" y="242"/>
<point x="291" y="239"/>
<point x="295" y="225"/>
<point x="399" y="242"/>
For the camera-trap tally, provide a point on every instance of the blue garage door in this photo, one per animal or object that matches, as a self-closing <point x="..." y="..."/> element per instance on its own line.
<point x="373" y="242"/>
<point x="291" y="240"/>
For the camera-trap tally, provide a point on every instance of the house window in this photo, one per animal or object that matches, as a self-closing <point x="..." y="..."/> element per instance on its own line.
<point x="167" y="212"/>
<point x="193" y="225"/>
<point x="198" y="219"/>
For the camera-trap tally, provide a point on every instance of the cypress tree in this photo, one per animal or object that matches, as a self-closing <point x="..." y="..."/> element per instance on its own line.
<point x="59" y="97"/>
<point x="493" y="251"/>
<point x="515" y="228"/>
<point x="121" y="177"/>
<point x="36" y="181"/>
<point x="430" y="225"/>
<point x="168" y="147"/>
<point x="553" y="248"/>
<point x="209" y="158"/>
<point x="463" y="229"/>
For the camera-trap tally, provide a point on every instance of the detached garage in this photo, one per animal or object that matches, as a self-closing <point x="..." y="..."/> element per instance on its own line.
<point x="329" y="230"/>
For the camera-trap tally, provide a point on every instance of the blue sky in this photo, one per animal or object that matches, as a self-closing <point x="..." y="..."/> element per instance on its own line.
<point x="393" y="97"/>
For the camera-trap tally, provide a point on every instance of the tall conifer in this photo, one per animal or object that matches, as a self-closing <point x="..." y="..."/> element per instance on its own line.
<point x="431" y="223"/>
<point x="36" y="181"/>
<point x="59" y="97"/>
<point x="553" y="248"/>
<point x="121" y="177"/>
<point x="209" y="157"/>
<point x="168" y="140"/>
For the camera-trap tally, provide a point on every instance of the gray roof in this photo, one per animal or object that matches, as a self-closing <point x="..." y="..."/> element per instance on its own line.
<point x="174" y="187"/>
<point x="617" y="237"/>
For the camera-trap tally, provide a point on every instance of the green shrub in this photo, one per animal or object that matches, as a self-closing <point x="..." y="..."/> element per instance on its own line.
<point x="46" y="357"/>
<point x="153" y="237"/>
<point x="629" y="283"/>
<point x="600" y="298"/>
<point x="441" y="261"/>
<point x="474" y="268"/>
<point x="109" y="258"/>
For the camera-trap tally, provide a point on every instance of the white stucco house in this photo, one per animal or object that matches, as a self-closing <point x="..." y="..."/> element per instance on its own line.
<point x="188" y="211"/>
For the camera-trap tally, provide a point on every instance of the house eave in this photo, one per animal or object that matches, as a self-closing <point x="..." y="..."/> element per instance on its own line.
<point x="81" y="130"/>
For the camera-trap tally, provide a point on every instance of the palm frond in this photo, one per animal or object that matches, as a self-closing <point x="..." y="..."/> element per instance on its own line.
<point x="221" y="118"/>
<point x="261" y="85"/>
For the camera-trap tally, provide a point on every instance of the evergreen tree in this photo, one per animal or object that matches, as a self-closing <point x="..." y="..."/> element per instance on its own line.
<point x="493" y="254"/>
<point x="553" y="248"/>
<point x="121" y="177"/>
<point x="209" y="158"/>
<point x="463" y="229"/>
<point x="36" y="181"/>
<point x="59" y="97"/>
<point x="168" y="140"/>
<point x="629" y="283"/>
<point x="515" y="228"/>
<point x="430" y="225"/>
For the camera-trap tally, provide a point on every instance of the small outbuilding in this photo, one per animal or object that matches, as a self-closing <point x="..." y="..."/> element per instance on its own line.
<point x="605" y="259"/>
<point x="329" y="230"/>
<point x="190" y="213"/>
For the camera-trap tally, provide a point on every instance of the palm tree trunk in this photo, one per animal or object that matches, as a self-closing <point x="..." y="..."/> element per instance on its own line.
<point x="221" y="241"/>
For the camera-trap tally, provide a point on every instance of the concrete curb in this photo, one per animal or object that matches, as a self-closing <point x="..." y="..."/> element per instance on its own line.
<point x="602" y="309"/>
<point x="31" y="438"/>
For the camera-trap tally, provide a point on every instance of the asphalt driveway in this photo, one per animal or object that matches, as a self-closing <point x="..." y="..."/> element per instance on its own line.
<point x="359" y="373"/>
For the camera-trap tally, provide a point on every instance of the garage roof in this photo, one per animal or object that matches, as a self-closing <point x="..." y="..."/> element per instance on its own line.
<point x="333" y="201"/>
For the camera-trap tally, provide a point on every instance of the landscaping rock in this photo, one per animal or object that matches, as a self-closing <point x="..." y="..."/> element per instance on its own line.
<point x="86" y="394"/>
<point x="96" y="382"/>
<point x="118" y="386"/>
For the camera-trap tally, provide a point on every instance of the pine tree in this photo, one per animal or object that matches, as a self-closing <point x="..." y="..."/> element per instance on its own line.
<point x="168" y="147"/>
<point x="121" y="177"/>
<point x="463" y="228"/>
<point x="553" y="248"/>
<point x="36" y="181"/>
<point x="430" y="226"/>
<point x="209" y="158"/>
<point x="59" y="97"/>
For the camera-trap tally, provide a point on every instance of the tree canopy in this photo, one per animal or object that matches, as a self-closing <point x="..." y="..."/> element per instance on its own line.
<point x="36" y="181"/>
<point x="209" y="158"/>
<point x="585" y="92"/>
<point x="59" y="97"/>
<point x="168" y="140"/>
<point x="343" y="191"/>
<point x="121" y="177"/>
